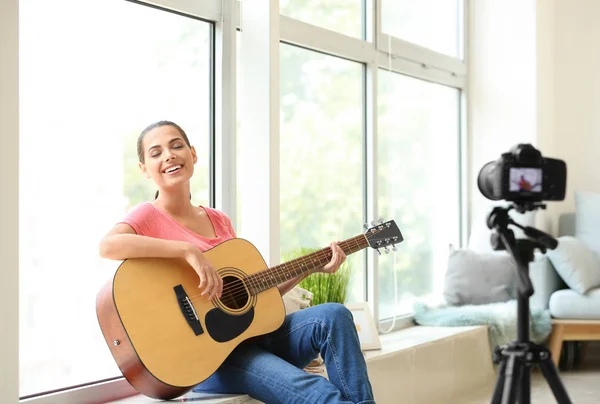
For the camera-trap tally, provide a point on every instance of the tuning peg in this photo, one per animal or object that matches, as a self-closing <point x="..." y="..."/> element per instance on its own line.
<point x="379" y="252"/>
<point x="366" y="226"/>
<point x="380" y="220"/>
<point x="386" y="250"/>
<point x="374" y="223"/>
<point x="394" y="248"/>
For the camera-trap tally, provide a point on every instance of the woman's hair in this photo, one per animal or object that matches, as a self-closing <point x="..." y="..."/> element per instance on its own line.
<point x="140" y="141"/>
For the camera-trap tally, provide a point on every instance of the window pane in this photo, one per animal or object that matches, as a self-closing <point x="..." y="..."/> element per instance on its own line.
<point x="88" y="87"/>
<point x="321" y="183"/>
<point x="433" y="24"/>
<point x="418" y="174"/>
<point x="343" y="16"/>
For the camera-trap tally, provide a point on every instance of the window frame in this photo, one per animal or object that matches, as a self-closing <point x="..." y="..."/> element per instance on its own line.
<point x="292" y="40"/>
<point x="222" y="67"/>
<point x="9" y="203"/>
<point x="377" y="50"/>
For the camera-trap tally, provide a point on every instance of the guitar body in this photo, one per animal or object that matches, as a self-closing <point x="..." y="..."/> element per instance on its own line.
<point x="164" y="336"/>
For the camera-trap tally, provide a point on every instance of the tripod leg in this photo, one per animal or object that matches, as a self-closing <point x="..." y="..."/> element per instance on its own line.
<point x="525" y="385"/>
<point x="497" y="396"/>
<point x="551" y="375"/>
<point x="512" y="376"/>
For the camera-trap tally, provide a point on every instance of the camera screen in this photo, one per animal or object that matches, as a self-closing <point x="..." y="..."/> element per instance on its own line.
<point x="525" y="179"/>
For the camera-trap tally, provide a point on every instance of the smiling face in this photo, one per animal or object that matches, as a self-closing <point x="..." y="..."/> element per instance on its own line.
<point x="166" y="157"/>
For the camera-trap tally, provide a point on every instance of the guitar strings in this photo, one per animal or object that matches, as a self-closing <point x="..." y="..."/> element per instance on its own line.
<point x="299" y="265"/>
<point x="261" y="283"/>
<point x="257" y="281"/>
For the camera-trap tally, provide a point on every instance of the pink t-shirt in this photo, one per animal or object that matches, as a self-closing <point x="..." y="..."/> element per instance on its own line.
<point x="147" y="220"/>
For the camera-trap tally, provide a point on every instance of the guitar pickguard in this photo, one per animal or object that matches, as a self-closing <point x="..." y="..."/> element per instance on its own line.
<point x="223" y="327"/>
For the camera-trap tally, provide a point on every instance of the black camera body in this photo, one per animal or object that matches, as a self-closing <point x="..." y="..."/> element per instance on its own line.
<point x="523" y="175"/>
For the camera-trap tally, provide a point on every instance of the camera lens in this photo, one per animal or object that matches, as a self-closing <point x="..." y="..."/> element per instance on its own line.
<point x="485" y="181"/>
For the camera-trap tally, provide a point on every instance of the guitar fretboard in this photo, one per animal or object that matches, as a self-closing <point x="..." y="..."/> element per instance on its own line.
<point x="278" y="274"/>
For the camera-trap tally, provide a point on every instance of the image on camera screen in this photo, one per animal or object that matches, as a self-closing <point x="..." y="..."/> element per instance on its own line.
<point x="525" y="179"/>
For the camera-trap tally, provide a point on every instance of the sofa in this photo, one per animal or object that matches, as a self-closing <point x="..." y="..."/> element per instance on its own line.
<point x="566" y="280"/>
<point x="573" y="293"/>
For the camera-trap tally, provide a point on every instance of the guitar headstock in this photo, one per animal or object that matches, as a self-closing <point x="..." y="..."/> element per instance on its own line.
<point x="383" y="235"/>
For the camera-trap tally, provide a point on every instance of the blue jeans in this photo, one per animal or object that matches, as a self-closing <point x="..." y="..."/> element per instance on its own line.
<point x="270" y="368"/>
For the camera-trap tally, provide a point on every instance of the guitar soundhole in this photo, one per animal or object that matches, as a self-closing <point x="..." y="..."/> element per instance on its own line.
<point x="234" y="294"/>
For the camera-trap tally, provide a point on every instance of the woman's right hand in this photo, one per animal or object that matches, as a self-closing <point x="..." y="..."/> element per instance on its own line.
<point x="210" y="282"/>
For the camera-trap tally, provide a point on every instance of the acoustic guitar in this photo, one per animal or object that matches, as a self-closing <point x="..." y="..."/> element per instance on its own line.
<point x="166" y="338"/>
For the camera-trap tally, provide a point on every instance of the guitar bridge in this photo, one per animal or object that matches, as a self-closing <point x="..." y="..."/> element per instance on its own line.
<point x="187" y="309"/>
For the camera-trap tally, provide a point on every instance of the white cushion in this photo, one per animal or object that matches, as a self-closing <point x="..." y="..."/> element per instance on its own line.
<point x="576" y="264"/>
<point x="568" y="304"/>
<point x="479" y="278"/>
<point x="587" y="226"/>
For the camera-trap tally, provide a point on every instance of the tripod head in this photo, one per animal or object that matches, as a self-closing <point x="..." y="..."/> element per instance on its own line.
<point x="522" y="250"/>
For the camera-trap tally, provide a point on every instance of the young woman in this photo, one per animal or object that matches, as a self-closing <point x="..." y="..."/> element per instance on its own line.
<point x="270" y="368"/>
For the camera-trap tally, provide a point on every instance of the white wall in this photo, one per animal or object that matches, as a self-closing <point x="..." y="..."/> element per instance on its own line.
<point x="534" y="71"/>
<point x="502" y="84"/>
<point x="9" y="200"/>
<point x="570" y="68"/>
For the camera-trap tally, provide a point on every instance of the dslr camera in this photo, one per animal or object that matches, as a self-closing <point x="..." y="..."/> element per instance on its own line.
<point x="522" y="175"/>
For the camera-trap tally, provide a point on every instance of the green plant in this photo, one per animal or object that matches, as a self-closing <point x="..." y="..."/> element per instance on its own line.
<point x="332" y="288"/>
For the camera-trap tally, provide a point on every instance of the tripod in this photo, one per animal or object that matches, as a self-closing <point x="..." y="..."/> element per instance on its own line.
<point x="516" y="359"/>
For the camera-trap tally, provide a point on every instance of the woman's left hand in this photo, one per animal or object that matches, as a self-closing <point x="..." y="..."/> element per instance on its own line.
<point x="337" y="260"/>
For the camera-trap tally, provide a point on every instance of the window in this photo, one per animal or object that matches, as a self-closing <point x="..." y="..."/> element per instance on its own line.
<point x="343" y="16"/>
<point x="93" y="75"/>
<point x="433" y="24"/>
<point x="321" y="154"/>
<point x="419" y="185"/>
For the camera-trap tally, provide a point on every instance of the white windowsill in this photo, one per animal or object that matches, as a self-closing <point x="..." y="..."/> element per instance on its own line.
<point x="411" y="337"/>
<point x="391" y="344"/>
<point x="195" y="397"/>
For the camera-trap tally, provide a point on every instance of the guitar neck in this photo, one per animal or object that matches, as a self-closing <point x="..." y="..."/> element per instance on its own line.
<point x="278" y="274"/>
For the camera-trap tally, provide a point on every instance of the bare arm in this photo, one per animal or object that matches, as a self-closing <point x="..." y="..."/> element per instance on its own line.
<point x="122" y="243"/>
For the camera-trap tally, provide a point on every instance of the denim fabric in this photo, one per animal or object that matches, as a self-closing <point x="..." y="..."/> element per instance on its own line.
<point x="270" y="368"/>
